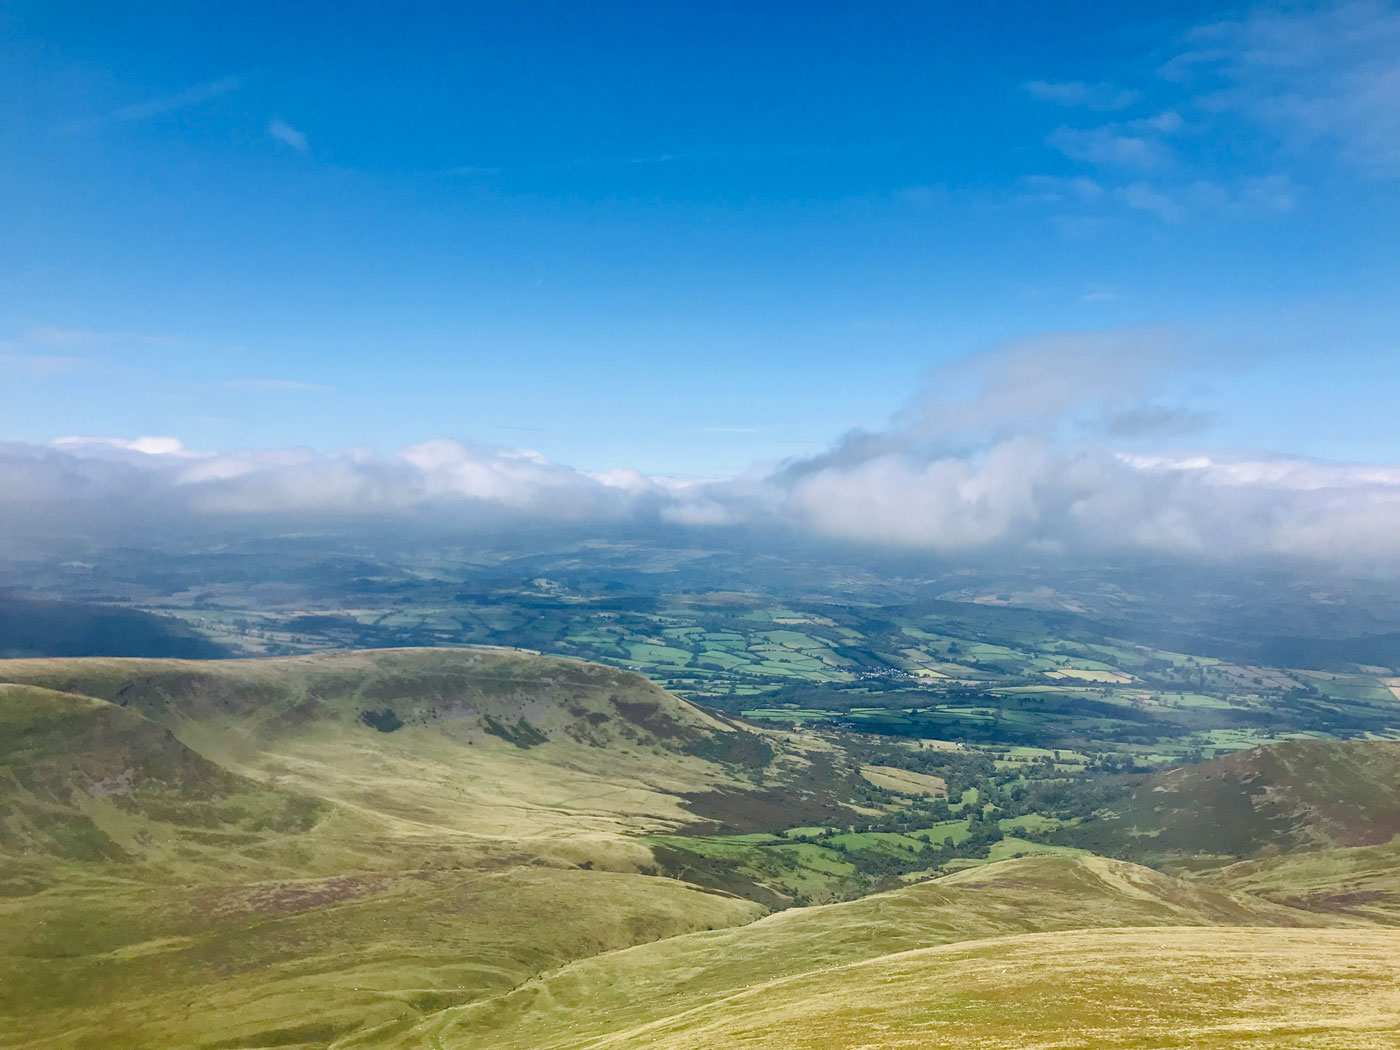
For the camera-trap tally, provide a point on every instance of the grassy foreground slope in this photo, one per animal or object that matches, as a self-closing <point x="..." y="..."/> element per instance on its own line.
<point x="283" y="853"/>
<point x="597" y="1001"/>
<point x="1203" y="987"/>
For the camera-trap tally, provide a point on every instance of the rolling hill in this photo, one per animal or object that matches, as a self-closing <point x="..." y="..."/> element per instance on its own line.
<point x="1290" y="795"/>
<point x="1361" y="881"/>
<point x="193" y="852"/>
<point x="596" y="1001"/>
<point x="457" y="849"/>
<point x="1202" y="987"/>
<point x="86" y="780"/>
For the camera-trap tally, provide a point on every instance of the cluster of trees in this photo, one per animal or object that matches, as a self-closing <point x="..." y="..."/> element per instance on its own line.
<point x="1042" y="787"/>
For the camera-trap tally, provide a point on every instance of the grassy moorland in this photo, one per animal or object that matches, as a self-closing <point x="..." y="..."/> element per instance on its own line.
<point x="1362" y="881"/>
<point x="1293" y="795"/>
<point x="479" y="848"/>
<point x="1080" y="990"/>
<point x="601" y="1001"/>
<point x="196" y="862"/>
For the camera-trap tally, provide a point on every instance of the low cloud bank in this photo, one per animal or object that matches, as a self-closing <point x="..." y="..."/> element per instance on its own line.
<point x="1021" y="492"/>
<point x="1020" y="449"/>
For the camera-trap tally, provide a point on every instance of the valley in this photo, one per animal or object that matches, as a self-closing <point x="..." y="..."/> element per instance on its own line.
<point x="477" y="847"/>
<point x="699" y="526"/>
<point x="1154" y="666"/>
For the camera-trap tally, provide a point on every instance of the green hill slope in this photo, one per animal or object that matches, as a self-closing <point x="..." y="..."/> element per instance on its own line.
<point x="82" y="779"/>
<point x="283" y="852"/>
<point x="450" y="848"/>
<point x="1363" y="882"/>
<point x="472" y="693"/>
<point x="601" y="998"/>
<point x="490" y="746"/>
<point x="1203" y="988"/>
<point x="1295" y="794"/>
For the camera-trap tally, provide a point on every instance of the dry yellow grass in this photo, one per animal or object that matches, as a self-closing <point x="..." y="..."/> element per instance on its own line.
<point x="1083" y="990"/>
<point x="434" y="864"/>
<point x="596" y="1002"/>
<point x="904" y="781"/>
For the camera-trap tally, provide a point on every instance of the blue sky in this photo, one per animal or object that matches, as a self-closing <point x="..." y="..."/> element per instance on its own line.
<point x="685" y="238"/>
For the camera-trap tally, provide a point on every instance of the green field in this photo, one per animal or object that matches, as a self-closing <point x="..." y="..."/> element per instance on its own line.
<point x="1071" y="663"/>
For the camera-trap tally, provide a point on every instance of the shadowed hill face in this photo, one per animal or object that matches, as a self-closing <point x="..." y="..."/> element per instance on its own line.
<point x="31" y="627"/>
<point x="1296" y="794"/>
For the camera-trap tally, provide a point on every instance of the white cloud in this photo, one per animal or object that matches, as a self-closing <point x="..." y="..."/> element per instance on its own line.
<point x="1032" y="385"/>
<point x="1099" y="96"/>
<point x="1175" y="203"/>
<point x="1324" y="76"/>
<point x="1054" y="443"/>
<point x="1246" y="115"/>
<point x="1050" y="189"/>
<point x="53" y="335"/>
<point x="38" y="365"/>
<point x="194" y="96"/>
<point x="197" y="95"/>
<point x="1110" y="145"/>
<point x="1155" y="421"/>
<point x="469" y="170"/>
<point x="1168" y="122"/>
<point x="284" y="132"/>
<point x="1080" y="227"/>
<point x="1270" y="192"/>
<point x="1142" y="197"/>
<point x="145" y="446"/>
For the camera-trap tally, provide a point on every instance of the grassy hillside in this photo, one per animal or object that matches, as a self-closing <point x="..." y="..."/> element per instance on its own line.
<point x="301" y="962"/>
<point x="1363" y="882"/>
<point x="234" y="854"/>
<point x="82" y="779"/>
<point x="470" y="848"/>
<point x="473" y="693"/>
<point x="1081" y="990"/>
<point x="488" y="744"/>
<point x="1294" y="794"/>
<point x="601" y="998"/>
